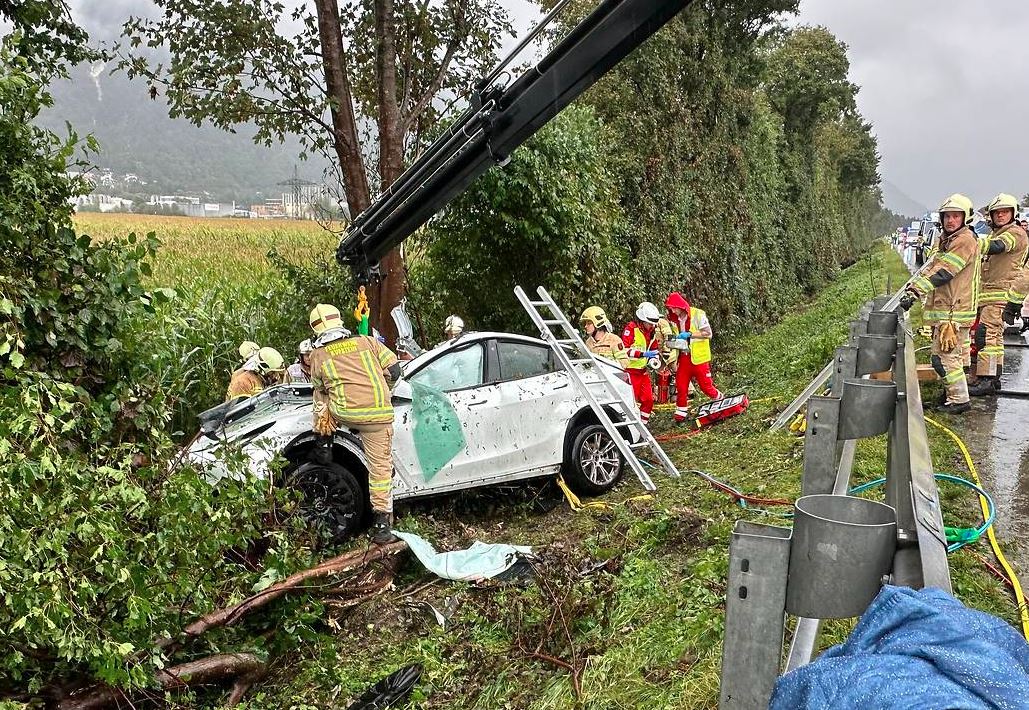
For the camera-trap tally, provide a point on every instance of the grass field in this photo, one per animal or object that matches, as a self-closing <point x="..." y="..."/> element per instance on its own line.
<point x="628" y="608"/>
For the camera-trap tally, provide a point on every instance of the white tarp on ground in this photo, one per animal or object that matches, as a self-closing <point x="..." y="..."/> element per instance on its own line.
<point x="480" y="561"/>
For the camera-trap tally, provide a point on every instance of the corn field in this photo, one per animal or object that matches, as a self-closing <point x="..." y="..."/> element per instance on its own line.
<point x="222" y="289"/>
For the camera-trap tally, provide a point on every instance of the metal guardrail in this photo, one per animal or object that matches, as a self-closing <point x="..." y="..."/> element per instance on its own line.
<point x="841" y="549"/>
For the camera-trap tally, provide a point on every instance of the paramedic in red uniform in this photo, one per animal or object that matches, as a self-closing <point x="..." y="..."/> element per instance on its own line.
<point x="694" y="364"/>
<point x="641" y="341"/>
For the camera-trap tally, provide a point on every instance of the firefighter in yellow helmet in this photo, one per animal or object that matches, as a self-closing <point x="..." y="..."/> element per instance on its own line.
<point x="949" y="285"/>
<point x="1004" y="256"/>
<point x="264" y="369"/>
<point x="600" y="340"/>
<point x="348" y="374"/>
<point x="247" y="349"/>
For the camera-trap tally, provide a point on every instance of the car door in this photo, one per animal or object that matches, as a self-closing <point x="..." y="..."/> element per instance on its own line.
<point x="457" y="376"/>
<point x="535" y="401"/>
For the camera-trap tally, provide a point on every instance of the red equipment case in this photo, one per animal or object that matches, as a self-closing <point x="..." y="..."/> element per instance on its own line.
<point x="718" y="409"/>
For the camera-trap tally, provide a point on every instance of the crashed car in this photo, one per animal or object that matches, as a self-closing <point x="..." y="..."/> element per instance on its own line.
<point x="482" y="409"/>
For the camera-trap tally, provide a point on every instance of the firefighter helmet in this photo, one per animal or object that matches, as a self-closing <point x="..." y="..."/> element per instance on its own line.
<point x="269" y="360"/>
<point x="1004" y="201"/>
<point x="596" y="316"/>
<point x="305" y="348"/>
<point x="647" y="313"/>
<point x="453" y="325"/>
<point x="247" y="349"/>
<point x="325" y="317"/>
<point x="957" y="203"/>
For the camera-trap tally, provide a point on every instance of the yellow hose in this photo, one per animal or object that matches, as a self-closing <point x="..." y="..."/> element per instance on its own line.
<point x="1019" y="596"/>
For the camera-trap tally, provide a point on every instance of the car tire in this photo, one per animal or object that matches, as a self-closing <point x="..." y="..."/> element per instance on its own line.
<point x="594" y="464"/>
<point x="332" y="501"/>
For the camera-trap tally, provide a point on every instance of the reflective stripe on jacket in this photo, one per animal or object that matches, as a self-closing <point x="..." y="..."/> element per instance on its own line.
<point x="951" y="299"/>
<point x="999" y="270"/>
<point x="347" y="374"/>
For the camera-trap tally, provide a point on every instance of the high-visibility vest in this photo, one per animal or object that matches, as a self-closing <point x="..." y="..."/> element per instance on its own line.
<point x="700" y="350"/>
<point x="640" y="341"/>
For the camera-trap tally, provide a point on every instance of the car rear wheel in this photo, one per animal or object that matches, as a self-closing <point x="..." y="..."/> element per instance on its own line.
<point x="594" y="465"/>
<point x="332" y="501"/>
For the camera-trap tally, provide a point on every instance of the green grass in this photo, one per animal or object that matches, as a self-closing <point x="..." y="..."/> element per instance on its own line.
<point x="646" y="632"/>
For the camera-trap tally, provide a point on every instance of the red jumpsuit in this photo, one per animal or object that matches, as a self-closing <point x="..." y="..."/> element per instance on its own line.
<point x="637" y="341"/>
<point x="687" y="369"/>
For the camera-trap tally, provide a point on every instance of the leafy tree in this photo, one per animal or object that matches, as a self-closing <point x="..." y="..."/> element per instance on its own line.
<point x="399" y="67"/>
<point x="550" y="217"/>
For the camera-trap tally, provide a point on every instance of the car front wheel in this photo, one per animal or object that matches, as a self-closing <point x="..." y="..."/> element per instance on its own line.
<point x="595" y="464"/>
<point x="332" y="501"/>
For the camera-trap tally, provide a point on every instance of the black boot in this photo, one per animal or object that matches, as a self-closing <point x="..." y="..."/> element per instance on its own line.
<point x="381" y="532"/>
<point x="985" y="386"/>
<point x="954" y="407"/>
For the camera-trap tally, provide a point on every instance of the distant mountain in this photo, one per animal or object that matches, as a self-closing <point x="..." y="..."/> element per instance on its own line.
<point x="172" y="155"/>
<point x="898" y="201"/>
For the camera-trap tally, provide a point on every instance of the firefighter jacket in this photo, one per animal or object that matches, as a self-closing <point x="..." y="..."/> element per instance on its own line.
<point x="607" y="344"/>
<point x="950" y="282"/>
<point x="699" y="328"/>
<point x="1005" y="256"/>
<point x="244" y="383"/>
<point x="637" y="342"/>
<point x="347" y="375"/>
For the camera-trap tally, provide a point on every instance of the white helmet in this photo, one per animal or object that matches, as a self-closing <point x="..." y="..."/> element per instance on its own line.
<point x="454" y="325"/>
<point x="648" y="313"/>
<point x="305" y="347"/>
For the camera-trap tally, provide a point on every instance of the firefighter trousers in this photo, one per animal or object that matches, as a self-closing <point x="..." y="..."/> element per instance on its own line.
<point x="643" y="389"/>
<point x="953" y="365"/>
<point x="701" y="374"/>
<point x="991" y="357"/>
<point x="377" y="440"/>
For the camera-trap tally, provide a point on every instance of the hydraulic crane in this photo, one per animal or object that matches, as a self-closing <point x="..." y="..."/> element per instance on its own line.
<point x="501" y="116"/>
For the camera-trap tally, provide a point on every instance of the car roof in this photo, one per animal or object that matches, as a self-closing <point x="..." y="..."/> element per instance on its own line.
<point x="465" y="339"/>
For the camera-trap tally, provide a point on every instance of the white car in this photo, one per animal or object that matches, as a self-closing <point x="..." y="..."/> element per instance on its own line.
<point x="519" y="413"/>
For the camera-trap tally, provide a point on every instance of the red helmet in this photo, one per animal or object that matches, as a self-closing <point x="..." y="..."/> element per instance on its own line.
<point x="676" y="300"/>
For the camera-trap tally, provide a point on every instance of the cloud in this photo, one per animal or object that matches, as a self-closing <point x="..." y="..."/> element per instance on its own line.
<point x="931" y="74"/>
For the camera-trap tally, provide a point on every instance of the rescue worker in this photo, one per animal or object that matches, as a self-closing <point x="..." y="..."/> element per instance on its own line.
<point x="350" y="389"/>
<point x="642" y="349"/>
<point x="300" y="371"/>
<point x="599" y="338"/>
<point x="1004" y="255"/>
<point x="452" y="327"/>
<point x="263" y="369"/>
<point x="692" y="324"/>
<point x="1018" y="297"/>
<point x="950" y="285"/>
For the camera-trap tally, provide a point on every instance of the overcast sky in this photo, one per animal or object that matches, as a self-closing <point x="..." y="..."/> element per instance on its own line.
<point x="925" y="68"/>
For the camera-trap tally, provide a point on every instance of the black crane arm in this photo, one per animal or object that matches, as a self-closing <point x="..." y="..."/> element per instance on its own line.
<point x="499" y="119"/>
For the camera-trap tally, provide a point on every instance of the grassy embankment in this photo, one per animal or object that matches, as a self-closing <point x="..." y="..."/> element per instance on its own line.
<point x="644" y="629"/>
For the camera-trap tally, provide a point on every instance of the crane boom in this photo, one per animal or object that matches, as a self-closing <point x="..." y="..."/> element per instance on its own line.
<point x="499" y="119"/>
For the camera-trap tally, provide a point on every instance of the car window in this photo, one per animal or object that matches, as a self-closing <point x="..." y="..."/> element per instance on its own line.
<point x="520" y="360"/>
<point x="455" y="370"/>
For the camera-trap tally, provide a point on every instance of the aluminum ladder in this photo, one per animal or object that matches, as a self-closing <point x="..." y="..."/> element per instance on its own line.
<point x="630" y="418"/>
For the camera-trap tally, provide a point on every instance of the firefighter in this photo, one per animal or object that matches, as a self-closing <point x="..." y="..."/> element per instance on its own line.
<point x="262" y="369"/>
<point x="694" y="364"/>
<point x="949" y="285"/>
<point x="247" y="350"/>
<point x="1004" y="255"/>
<point x="1017" y="304"/>
<point x="300" y="371"/>
<point x="350" y="389"/>
<point x="599" y="338"/>
<point x="642" y="350"/>
<point x="452" y="327"/>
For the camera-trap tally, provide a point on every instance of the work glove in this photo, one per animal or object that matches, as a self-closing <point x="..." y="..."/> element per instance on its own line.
<point x="1011" y="311"/>
<point x="651" y="353"/>
<point x="684" y="336"/>
<point x="908" y="300"/>
<point x="324" y="423"/>
<point x="948" y="336"/>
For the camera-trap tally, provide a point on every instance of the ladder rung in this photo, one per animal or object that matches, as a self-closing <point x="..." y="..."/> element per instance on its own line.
<point x="553" y="321"/>
<point x="628" y="423"/>
<point x="639" y="444"/>
<point x="564" y="341"/>
<point x="583" y="361"/>
<point x="538" y="303"/>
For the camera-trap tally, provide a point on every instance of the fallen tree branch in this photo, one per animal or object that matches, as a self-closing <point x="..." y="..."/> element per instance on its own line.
<point x="191" y="674"/>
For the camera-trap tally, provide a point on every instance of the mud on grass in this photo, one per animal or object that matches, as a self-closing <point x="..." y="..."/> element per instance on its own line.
<point x="625" y="607"/>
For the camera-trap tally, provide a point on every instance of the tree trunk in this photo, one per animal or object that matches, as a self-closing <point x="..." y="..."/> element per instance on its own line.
<point x="392" y="285"/>
<point x="344" y="125"/>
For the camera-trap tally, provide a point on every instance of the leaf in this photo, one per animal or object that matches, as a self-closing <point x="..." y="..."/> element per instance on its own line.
<point x="17" y="360"/>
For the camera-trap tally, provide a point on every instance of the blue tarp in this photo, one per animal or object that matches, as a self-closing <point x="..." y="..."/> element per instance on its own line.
<point x="915" y="649"/>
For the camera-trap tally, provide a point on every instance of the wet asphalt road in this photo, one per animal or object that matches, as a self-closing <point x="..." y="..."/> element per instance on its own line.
<point x="996" y="432"/>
